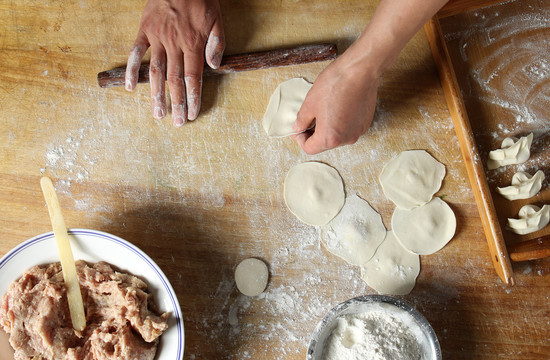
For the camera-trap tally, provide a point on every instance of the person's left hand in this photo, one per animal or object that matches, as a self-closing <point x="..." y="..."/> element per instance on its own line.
<point x="181" y="33"/>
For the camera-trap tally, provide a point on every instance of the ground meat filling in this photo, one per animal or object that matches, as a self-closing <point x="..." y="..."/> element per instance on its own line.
<point x="122" y="321"/>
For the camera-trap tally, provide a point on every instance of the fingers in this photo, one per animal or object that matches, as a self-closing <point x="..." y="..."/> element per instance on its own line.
<point x="215" y="45"/>
<point x="305" y="117"/>
<point x="134" y="62"/>
<point x="174" y="77"/>
<point x="157" y="69"/>
<point x="193" y="66"/>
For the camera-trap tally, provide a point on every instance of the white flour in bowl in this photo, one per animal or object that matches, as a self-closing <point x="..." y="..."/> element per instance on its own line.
<point x="374" y="335"/>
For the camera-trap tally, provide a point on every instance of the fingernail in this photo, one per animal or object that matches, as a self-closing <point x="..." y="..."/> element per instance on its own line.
<point x="179" y="121"/>
<point x="159" y="112"/>
<point x="128" y="85"/>
<point x="217" y="60"/>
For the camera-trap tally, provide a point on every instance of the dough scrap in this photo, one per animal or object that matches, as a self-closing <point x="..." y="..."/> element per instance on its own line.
<point x="411" y="178"/>
<point x="251" y="276"/>
<point x="424" y="229"/>
<point x="393" y="269"/>
<point x="512" y="151"/>
<point x="355" y="233"/>
<point x="531" y="219"/>
<point x="283" y="107"/>
<point x="314" y="192"/>
<point x="524" y="186"/>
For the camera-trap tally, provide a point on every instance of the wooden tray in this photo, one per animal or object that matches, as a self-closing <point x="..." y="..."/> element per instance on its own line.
<point x="493" y="47"/>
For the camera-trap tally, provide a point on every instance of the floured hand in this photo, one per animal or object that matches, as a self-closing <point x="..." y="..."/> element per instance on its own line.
<point x="181" y="34"/>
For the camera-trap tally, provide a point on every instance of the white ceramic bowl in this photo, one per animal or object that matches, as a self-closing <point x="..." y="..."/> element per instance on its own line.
<point x="94" y="246"/>
<point x="426" y="338"/>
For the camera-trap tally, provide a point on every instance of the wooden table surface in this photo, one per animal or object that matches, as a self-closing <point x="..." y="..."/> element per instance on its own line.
<point x="200" y="198"/>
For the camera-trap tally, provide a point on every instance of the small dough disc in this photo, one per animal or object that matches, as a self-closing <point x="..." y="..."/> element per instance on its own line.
<point x="314" y="192"/>
<point x="424" y="229"/>
<point x="283" y="107"/>
<point x="393" y="269"/>
<point x="355" y="233"/>
<point x="412" y="178"/>
<point x="251" y="276"/>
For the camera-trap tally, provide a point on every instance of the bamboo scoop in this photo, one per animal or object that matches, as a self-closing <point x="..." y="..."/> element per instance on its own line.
<point x="76" y="306"/>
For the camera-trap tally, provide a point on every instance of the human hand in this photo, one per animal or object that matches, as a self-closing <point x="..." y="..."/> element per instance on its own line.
<point x="341" y="102"/>
<point x="181" y="34"/>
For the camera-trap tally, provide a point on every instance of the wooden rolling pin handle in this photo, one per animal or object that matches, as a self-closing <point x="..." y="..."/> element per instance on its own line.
<point x="530" y="249"/>
<point x="240" y="62"/>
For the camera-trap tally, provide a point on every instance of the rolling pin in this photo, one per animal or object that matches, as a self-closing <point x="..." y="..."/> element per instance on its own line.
<point x="530" y="249"/>
<point x="240" y="62"/>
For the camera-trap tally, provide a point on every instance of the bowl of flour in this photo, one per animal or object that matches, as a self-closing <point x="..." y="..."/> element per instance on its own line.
<point x="375" y="327"/>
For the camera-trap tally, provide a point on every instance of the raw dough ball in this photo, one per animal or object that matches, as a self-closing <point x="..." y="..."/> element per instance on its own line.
<point x="355" y="233"/>
<point x="512" y="151"/>
<point x="251" y="276"/>
<point x="531" y="219"/>
<point x="524" y="186"/>
<point x="283" y="107"/>
<point x="314" y="192"/>
<point x="393" y="269"/>
<point x="412" y="178"/>
<point x="424" y="229"/>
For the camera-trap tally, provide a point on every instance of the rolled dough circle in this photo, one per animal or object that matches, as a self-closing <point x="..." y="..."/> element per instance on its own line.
<point x="411" y="178"/>
<point x="283" y="107"/>
<point x="314" y="192"/>
<point x="251" y="276"/>
<point x="355" y="233"/>
<point x="393" y="269"/>
<point x="424" y="229"/>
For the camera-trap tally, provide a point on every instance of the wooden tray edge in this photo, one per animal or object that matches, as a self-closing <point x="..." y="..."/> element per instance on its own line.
<point x="470" y="153"/>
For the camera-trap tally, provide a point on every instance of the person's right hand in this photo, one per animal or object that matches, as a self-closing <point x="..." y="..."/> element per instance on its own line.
<point x="181" y="34"/>
<point x="340" y="103"/>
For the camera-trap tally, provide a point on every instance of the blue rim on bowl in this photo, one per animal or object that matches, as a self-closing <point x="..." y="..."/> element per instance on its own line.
<point x="94" y="246"/>
<point x="357" y="305"/>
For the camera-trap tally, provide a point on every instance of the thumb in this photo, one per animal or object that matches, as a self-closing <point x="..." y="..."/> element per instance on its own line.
<point x="304" y="118"/>
<point x="215" y="45"/>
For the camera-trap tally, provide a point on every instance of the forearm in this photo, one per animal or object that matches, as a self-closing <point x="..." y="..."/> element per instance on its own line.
<point x="393" y="24"/>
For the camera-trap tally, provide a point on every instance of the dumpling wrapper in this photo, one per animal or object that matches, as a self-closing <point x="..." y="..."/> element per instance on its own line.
<point x="531" y="218"/>
<point x="355" y="233"/>
<point x="524" y="186"/>
<point x="393" y="269"/>
<point x="411" y="178"/>
<point x="512" y="151"/>
<point x="314" y="192"/>
<point x="251" y="276"/>
<point x="424" y="229"/>
<point x="283" y="107"/>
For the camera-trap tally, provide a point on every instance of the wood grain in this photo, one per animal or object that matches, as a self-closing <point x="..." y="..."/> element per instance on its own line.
<point x="239" y="62"/>
<point x="201" y="198"/>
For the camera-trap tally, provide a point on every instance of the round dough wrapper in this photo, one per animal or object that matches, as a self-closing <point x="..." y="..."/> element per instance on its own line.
<point x="393" y="269"/>
<point x="355" y="233"/>
<point x="314" y="192"/>
<point x="411" y="178"/>
<point x="283" y="107"/>
<point x="251" y="276"/>
<point x="424" y="229"/>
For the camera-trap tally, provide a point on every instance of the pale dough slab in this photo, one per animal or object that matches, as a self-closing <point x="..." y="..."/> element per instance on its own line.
<point x="283" y="107"/>
<point x="531" y="218"/>
<point x="355" y="233"/>
<point x="524" y="186"/>
<point x="393" y="269"/>
<point x="512" y="151"/>
<point x="314" y="192"/>
<point x="251" y="276"/>
<point x="411" y="178"/>
<point x="424" y="229"/>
